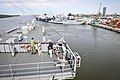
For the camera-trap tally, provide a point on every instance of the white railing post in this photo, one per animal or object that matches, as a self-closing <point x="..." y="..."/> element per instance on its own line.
<point x="4" y="48"/>
<point x="19" y="47"/>
<point x="75" y="65"/>
<point x="62" y="70"/>
<point x="38" y="68"/>
<point x="11" y="73"/>
<point x="9" y="47"/>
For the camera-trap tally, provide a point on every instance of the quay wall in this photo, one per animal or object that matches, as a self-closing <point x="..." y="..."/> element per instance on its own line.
<point x="106" y="27"/>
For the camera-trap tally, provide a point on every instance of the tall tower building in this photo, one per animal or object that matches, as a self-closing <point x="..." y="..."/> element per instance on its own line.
<point x="104" y="11"/>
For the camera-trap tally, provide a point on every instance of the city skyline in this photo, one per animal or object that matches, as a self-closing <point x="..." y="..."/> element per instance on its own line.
<point x="55" y="6"/>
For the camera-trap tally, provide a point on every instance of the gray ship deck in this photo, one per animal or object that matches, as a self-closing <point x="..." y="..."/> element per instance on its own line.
<point x="19" y="58"/>
<point x="26" y="66"/>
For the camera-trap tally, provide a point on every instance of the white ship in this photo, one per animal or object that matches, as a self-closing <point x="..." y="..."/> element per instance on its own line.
<point x="17" y="63"/>
<point x="67" y="22"/>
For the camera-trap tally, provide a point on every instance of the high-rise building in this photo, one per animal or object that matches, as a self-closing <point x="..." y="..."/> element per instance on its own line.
<point x="104" y="11"/>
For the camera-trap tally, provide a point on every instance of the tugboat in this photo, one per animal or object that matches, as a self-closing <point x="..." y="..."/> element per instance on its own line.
<point x="56" y="63"/>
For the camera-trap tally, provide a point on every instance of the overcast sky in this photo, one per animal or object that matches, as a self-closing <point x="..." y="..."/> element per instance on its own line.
<point x="57" y="6"/>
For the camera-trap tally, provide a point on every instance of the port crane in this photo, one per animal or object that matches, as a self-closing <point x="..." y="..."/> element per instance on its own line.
<point x="99" y="13"/>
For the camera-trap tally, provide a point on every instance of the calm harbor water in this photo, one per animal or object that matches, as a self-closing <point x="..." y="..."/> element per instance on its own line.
<point x="99" y="48"/>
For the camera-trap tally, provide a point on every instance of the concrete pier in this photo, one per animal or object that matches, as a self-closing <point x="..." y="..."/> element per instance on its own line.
<point x="107" y="27"/>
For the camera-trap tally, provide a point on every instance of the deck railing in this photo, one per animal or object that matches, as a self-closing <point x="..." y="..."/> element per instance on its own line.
<point x="28" y="69"/>
<point x="16" y="47"/>
<point x="72" y="58"/>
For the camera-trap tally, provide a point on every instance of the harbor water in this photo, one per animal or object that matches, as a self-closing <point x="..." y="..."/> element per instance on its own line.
<point x="98" y="48"/>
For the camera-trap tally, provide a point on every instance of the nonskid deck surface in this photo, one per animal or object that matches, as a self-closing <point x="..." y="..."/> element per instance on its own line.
<point x="20" y="58"/>
<point x="25" y="64"/>
<point x="58" y="76"/>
